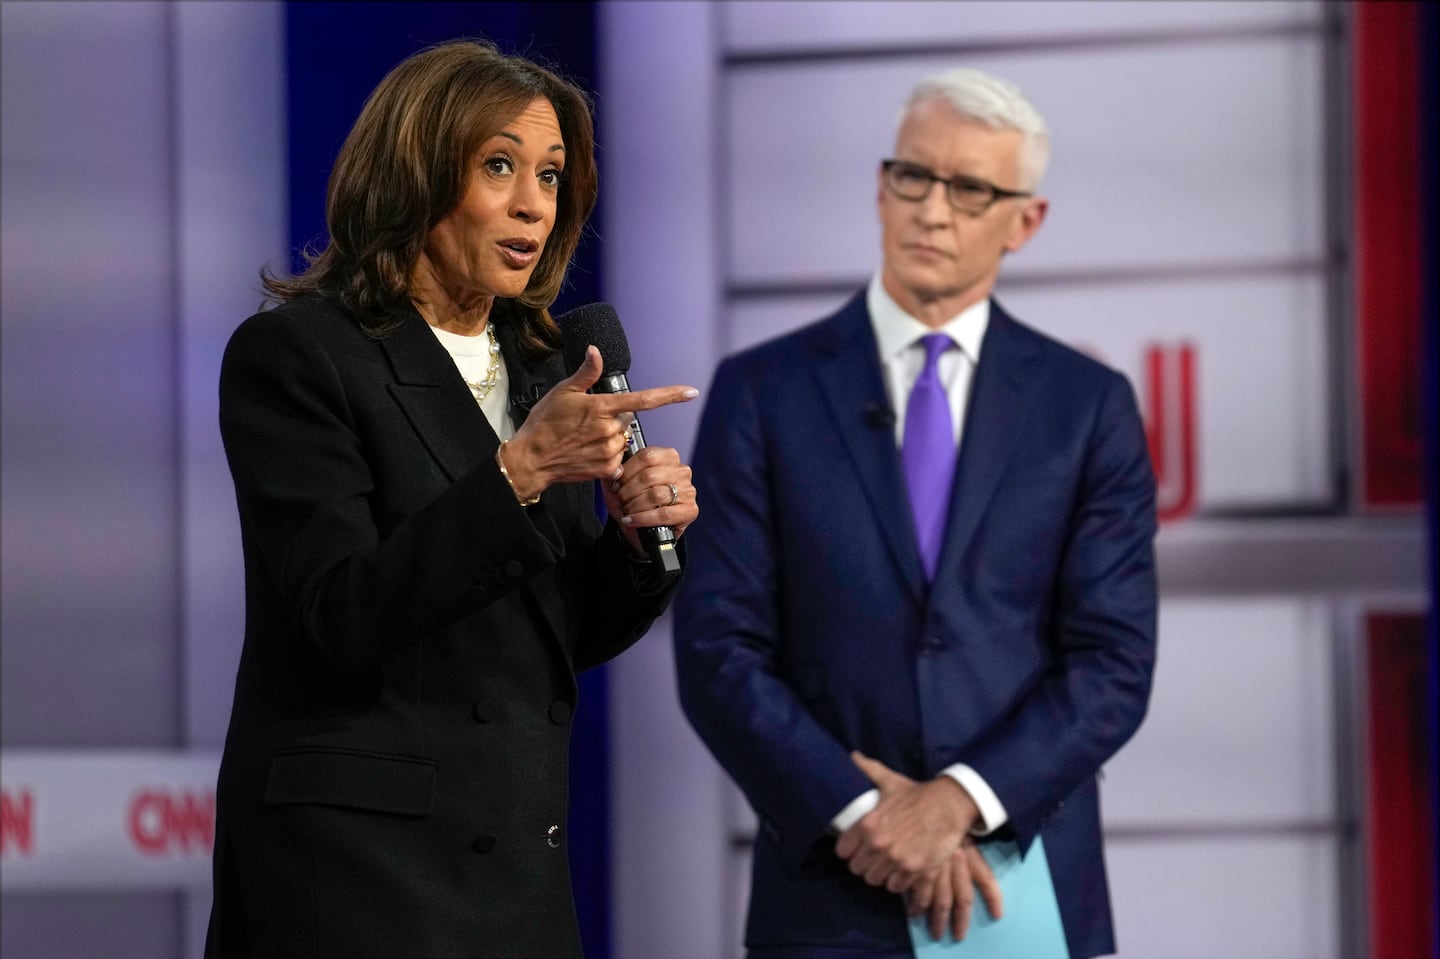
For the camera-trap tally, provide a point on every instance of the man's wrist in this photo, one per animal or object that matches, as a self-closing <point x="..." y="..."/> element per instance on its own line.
<point x="855" y="810"/>
<point x="968" y="809"/>
<point x="991" y="812"/>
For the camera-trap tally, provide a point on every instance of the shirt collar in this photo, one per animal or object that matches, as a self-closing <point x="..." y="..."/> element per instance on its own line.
<point x="896" y="331"/>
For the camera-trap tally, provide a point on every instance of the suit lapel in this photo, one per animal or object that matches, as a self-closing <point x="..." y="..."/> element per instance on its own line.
<point x="850" y="378"/>
<point x="435" y="399"/>
<point x="450" y="423"/>
<point x="1006" y="384"/>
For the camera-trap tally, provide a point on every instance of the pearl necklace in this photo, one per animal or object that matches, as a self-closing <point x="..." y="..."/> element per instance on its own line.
<point x="482" y="388"/>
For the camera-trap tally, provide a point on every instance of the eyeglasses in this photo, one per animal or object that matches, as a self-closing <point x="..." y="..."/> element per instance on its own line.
<point x="967" y="194"/>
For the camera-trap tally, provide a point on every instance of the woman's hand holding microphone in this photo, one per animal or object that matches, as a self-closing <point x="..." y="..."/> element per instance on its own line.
<point x="573" y="436"/>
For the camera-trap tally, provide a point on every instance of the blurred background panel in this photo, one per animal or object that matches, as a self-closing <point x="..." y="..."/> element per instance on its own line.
<point x="795" y="26"/>
<point x="141" y="175"/>
<point x="1242" y="116"/>
<point x="90" y="437"/>
<point x="1242" y="197"/>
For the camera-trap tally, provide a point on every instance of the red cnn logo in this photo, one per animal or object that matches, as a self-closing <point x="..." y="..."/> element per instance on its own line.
<point x="161" y="821"/>
<point x="17" y="823"/>
<point x="1170" y="427"/>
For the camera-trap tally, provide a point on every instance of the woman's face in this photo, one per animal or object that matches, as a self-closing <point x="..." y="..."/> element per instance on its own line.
<point x="489" y="244"/>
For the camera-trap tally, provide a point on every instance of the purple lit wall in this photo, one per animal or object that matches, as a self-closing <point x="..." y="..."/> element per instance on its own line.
<point x="142" y="159"/>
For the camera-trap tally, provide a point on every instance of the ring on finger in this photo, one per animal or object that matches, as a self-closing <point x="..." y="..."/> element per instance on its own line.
<point x="674" y="494"/>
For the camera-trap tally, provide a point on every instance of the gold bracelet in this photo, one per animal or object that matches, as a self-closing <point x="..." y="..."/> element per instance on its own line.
<point x="500" y="462"/>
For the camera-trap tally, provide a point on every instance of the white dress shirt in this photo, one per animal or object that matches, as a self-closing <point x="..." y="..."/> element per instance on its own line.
<point x="902" y="357"/>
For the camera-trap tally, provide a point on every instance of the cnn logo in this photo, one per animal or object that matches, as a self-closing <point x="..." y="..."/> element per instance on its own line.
<point x="163" y="821"/>
<point x="17" y="822"/>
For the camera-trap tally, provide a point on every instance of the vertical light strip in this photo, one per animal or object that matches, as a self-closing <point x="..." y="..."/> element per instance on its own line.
<point x="1387" y="250"/>
<point x="1398" y="790"/>
<point x="658" y="71"/>
<point x="229" y="198"/>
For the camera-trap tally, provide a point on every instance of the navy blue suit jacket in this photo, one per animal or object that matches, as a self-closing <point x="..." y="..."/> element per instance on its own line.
<point x="805" y="627"/>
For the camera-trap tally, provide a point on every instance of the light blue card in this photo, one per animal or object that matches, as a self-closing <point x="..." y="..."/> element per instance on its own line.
<point x="1030" y="928"/>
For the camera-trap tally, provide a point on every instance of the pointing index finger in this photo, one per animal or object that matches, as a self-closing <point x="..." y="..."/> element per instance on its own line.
<point x="642" y="400"/>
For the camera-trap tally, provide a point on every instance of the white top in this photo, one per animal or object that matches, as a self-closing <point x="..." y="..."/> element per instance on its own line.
<point x="472" y="358"/>
<point x="902" y="357"/>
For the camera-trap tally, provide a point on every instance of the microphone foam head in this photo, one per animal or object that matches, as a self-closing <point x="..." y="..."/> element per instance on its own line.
<point x="596" y="323"/>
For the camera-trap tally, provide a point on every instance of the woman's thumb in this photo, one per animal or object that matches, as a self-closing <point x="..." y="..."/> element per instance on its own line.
<point x="588" y="373"/>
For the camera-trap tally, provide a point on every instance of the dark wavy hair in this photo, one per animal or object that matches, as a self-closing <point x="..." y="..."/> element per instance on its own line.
<point x="405" y="165"/>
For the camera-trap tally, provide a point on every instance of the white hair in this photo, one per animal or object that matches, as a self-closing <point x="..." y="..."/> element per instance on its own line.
<point x="995" y="103"/>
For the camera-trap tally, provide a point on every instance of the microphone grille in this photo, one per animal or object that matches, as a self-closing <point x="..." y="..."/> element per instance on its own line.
<point x="598" y="324"/>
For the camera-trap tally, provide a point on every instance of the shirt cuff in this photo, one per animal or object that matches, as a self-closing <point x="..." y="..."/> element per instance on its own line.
<point x="855" y="810"/>
<point x="992" y="811"/>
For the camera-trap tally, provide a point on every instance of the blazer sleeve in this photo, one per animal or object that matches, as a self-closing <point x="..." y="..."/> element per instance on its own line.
<point x="304" y="482"/>
<point x="1095" y="694"/>
<point x="623" y="596"/>
<point x="794" y="772"/>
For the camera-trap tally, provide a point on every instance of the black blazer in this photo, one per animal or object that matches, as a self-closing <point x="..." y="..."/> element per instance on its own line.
<point x="395" y="775"/>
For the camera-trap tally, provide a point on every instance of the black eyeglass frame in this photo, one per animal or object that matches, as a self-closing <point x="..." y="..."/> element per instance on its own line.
<point x="961" y="181"/>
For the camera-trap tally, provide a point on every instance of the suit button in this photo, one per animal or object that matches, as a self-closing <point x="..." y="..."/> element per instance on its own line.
<point x="484" y="713"/>
<point x="513" y="569"/>
<point x="552" y="837"/>
<point x="484" y="844"/>
<point x="559" y="712"/>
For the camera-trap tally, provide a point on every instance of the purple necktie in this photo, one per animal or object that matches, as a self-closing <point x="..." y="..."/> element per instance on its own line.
<point x="928" y="452"/>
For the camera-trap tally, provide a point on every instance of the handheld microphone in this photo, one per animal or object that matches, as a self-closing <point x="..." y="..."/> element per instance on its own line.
<point x="598" y="324"/>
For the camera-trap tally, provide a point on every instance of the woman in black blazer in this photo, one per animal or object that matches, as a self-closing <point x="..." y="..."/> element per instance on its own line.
<point x="424" y="569"/>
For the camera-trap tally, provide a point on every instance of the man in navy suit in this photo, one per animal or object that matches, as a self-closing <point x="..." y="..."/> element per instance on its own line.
<point x="920" y="612"/>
